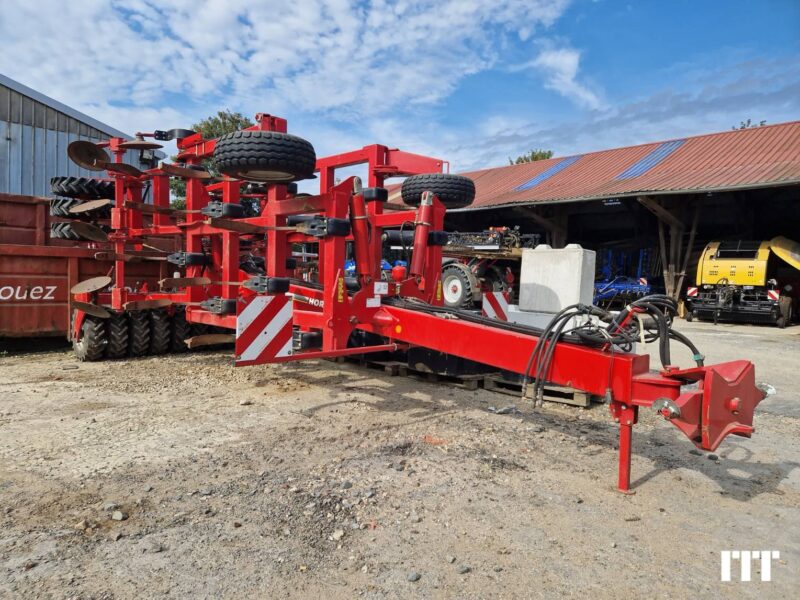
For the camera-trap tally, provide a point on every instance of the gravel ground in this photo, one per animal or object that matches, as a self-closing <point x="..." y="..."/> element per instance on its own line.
<point x="181" y="476"/>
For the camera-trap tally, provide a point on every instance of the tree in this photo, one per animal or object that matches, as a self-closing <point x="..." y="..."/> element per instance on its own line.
<point x="748" y="125"/>
<point x="211" y="127"/>
<point x="531" y="156"/>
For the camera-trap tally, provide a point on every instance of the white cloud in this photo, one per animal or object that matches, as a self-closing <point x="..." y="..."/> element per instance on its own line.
<point x="342" y="58"/>
<point x="560" y="67"/>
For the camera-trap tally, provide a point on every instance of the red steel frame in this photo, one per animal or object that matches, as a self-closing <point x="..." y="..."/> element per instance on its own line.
<point x="721" y="402"/>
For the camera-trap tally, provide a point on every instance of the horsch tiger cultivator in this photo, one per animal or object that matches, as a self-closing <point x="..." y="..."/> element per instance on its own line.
<point x="263" y="266"/>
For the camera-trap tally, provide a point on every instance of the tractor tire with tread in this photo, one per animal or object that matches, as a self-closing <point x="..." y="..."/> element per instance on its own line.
<point x="196" y="329"/>
<point x="160" y="332"/>
<point x="59" y="207"/>
<point x="92" y="343"/>
<point x="456" y="287"/>
<point x="265" y="156"/>
<point x="179" y="332"/>
<point x="139" y="341"/>
<point x="453" y="191"/>
<point x="63" y="231"/>
<point x="117" y="336"/>
<point x="82" y="187"/>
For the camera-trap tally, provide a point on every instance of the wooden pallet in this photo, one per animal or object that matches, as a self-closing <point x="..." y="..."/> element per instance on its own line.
<point x="390" y="367"/>
<point x="492" y="382"/>
<point x="552" y="393"/>
<point x="466" y="382"/>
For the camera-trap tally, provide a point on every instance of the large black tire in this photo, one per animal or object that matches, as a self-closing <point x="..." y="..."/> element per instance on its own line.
<point x="160" y="334"/>
<point x="457" y="287"/>
<point x="496" y="279"/>
<point x="63" y="231"/>
<point x="82" y="187"/>
<point x="198" y="329"/>
<point x="265" y="156"/>
<point x="454" y="191"/>
<point x="92" y="342"/>
<point x="59" y="207"/>
<point x="180" y="331"/>
<point x="117" y="336"/>
<point x="139" y="342"/>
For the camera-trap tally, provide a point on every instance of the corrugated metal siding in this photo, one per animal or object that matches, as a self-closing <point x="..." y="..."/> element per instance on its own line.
<point x="33" y="144"/>
<point x="745" y="158"/>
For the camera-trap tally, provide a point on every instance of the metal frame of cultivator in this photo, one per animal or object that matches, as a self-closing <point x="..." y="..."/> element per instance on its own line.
<point x="277" y="317"/>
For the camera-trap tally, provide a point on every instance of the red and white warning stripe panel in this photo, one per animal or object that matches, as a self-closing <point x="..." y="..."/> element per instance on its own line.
<point x="495" y="305"/>
<point x="263" y="330"/>
<point x="691" y="292"/>
<point x="774" y="295"/>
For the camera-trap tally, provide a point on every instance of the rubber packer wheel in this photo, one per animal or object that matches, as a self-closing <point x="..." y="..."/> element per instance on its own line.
<point x="92" y="342"/>
<point x="179" y="332"/>
<point x="454" y="191"/>
<point x="63" y="231"/>
<point x="160" y="334"/>
<point x="117" y="336"/>
<point x="83" y="187"/>
<point x="139" y="341"/>
<point x="59" y="207"/>
<point x="265" y="156"/>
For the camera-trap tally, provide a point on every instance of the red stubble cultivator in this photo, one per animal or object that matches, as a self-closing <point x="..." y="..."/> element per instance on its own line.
<point x="271" y="278"/>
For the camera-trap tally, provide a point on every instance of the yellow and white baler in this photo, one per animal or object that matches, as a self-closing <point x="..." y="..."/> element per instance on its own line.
<point x="750" y="282"/>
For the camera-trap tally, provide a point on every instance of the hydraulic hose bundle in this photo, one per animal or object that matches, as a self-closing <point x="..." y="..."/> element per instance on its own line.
<point x="647" y="320"/>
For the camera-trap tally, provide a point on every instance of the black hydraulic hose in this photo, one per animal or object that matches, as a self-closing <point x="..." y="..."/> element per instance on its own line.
<point x="696" y="356"/>
<point x="658" y="308"/>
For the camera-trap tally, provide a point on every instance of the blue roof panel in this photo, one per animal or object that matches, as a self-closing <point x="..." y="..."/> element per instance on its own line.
<point x="548" y="173"/>
<point x="652" y="158"/>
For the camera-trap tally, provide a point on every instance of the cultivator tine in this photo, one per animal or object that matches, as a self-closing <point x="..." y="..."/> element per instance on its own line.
<point x="179" y="282"/>
<point x="91" y="309"/>
<point x="185" y="172"/>
<point x="210" y="339"/>
<point x="151" y="209"/>
<point x="87" y="155"/>
<point x="127" y="257"/>
<point x="160" y="210"/>
<point x="90" y="285"/>
<point x="89" y="231"/>
<point x="240" y="227"/>
<point x="229" y="225"/>
<point x="227" y="283"/>
<point x="90" y="206"/>
<point x="147" y="304"/>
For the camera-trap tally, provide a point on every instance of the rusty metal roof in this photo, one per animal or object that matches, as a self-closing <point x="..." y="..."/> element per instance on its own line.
<point x="740" y="159"/>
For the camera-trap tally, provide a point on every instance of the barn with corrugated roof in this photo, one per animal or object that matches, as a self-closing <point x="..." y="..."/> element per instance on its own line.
<point x="669" y="197"/>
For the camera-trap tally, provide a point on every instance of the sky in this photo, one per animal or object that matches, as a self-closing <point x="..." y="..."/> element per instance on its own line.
<point x="473" y="82"/>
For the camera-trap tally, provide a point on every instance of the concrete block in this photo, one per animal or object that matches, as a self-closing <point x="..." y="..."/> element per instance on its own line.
<point x="552" y="279"/>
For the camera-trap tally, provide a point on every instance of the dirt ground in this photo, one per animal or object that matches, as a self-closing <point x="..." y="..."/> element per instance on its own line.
<point x="180" y="476"/>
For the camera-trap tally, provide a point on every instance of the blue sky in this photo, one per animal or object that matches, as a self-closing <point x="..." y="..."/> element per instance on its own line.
<point x="470" y="81"/>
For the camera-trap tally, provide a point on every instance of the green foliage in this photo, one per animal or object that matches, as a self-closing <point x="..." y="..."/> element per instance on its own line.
<point x="211" y="127"/>
<point x="748" y="125"/>
<point x="223" y="122"/>
<point x="531" y="156"/>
